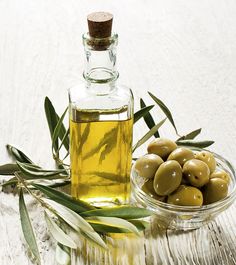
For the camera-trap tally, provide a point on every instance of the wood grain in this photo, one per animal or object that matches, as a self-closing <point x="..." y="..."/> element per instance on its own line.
<point x="183" y="51"/>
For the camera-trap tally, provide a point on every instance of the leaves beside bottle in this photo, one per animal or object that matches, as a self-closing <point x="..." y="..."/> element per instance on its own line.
<point x="67" y="219"/>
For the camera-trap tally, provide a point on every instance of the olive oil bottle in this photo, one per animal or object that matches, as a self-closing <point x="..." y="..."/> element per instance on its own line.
<point x="101" y="122"/>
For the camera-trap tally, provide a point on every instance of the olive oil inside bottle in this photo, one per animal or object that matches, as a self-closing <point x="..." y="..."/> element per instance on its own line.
<point x="100" y="152"/>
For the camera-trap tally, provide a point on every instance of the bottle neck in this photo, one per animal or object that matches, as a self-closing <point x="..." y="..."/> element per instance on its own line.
<point x="100" y="63"/>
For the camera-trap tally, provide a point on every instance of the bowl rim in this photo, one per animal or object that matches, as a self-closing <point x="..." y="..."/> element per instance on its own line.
<point x="169" y="207"/>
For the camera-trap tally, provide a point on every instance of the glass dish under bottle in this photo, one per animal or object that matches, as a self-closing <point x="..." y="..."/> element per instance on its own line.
<point x="184" y="217"/>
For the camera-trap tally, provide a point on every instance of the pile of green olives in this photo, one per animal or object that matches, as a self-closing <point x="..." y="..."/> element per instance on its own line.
<point x="180" y="176"/>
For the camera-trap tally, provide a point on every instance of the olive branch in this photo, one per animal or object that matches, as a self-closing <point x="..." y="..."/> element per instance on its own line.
<point x="67" y="218"/>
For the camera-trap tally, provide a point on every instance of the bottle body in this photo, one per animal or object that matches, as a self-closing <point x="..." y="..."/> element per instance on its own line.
<point x="101" y="147"/>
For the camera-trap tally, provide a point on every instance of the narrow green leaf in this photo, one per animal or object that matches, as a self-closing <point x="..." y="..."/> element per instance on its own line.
<point x="125" y="212"/>
<point x="164" y="109"/>
<point x="140" y="224"/>
<point x="27" y="228"/>
<point x="63" y="255"/>
<point x="78" y="223"/>
<point x="8" y="169"/>
<point x="18" y="154"/>
<point x="57" y="130"/>
<point x="38" y="172"/>
<point x="148" y="135"/>
<point x="58" y="234"/>
<point x="200" y="144"/>
<point x="142" y="113"/>
<point x="52" y="118"/>
<point x="106" y="229"/>
<point x="64" y="139"/>
<point x="148" y="119"/>
<point x="94" y="238"/>
<point x="64" y="199"/>
<point x="11" y="181"/>
<point x="114" y="222"/>
<point x="70" y="217"/>
<point x="191" y="135"/>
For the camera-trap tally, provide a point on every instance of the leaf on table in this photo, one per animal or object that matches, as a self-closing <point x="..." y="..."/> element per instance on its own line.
<point x="8" y="169"/>
<point x="58" y="234"/>
<point x="75" y="221"/>
<point x="63" y="255"/>
<point x="191" y="135"/>
<point x="70" y="217"/>
<point x="18" y="154"/>
<point x="164" y="109"/>
<point x="39" y="172"/>
<point x="57" y="131"/>
<point x="106" y="229"/>
<point x="125" y="212"/>
<point x="27" y="228"/>
<point x="64" y="199"/>
<point x="148" y="118"/>
<point x="142" y="113"/>
<point x="94" y="238"/>
<point x="114" y="222"/>
<point x="148" y="135"/>
<point x="199" y="144"/>
<point x="140" y="224"/>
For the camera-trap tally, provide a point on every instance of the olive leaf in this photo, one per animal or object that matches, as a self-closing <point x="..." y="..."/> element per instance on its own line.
<point x="58" y="234"/>
<point x="52" y="119"/>
<point x="8" y="169"/>
<point x="148" y="135"/>
<point x="125" y="212"/>
<point x="27" y="228"/>
<point x="113" y="221"/>
<point x="38" y="172"/>
<point x="140" y="224"/>
<point x="106" y="229"/>
<point x="63" y="255"/>
<point x="148" y="118"/>
<point x="75" y="221"/>
<point x="18" y="154"/>
<point x="191" y="135"/>
<point x="57" y="131"/>
<point x="142" y="113"/>
<point x="200" y="144"/>
<point x="64" y="199"/>
<point x="164" y="109"/>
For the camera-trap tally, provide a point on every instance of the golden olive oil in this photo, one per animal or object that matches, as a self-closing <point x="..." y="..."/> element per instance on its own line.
<point x="100" y="152"/>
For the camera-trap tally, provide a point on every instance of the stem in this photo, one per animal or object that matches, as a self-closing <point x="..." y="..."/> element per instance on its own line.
<point x="43" y="204"/>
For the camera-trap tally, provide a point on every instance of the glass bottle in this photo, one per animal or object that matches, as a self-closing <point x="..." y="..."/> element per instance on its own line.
<point x="101" y="122"/>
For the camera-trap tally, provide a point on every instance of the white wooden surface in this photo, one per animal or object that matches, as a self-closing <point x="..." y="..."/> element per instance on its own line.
<point x="183" y="51"/>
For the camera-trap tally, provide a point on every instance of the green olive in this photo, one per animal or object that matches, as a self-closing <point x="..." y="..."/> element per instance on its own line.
<point x="181" y="155"/>
<point x="220" y="173"/>
<point x="196" y="172"/>
<point x="147" y="165"/>
<point x="186" y="196"/>
<point x="208" y="158"/>
<point x="162" y="147"/>
<point x="167" y="178"/>
<point x="215" y="190"/>
<point x="149" y="190"/>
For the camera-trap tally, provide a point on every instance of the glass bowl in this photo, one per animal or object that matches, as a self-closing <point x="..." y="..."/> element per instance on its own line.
<point x="184" y="217"/>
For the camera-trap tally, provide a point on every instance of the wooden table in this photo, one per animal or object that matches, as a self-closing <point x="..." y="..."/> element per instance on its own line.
<point x="183" y="51"/>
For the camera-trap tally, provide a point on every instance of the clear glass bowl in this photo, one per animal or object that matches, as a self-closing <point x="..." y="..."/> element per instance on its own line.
<point x="184" y="217"/>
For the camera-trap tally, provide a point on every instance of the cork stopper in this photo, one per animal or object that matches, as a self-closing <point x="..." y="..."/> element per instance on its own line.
<point x="100" y="24"/>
